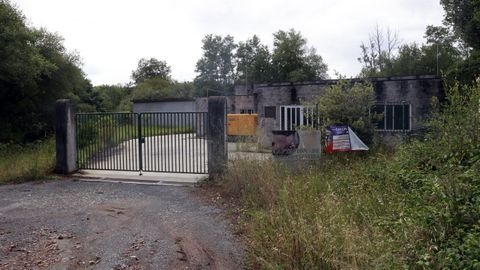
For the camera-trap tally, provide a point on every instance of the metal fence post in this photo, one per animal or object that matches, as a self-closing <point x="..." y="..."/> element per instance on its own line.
<point x="140" y="142"/>
<point x="65" y="137"/>
<point x="216" y="135"/>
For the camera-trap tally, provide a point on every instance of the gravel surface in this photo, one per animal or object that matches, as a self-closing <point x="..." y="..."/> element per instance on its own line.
<point x="70" y="224"/>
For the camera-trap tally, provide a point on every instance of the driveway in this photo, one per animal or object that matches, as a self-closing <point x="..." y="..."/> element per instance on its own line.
<point x="71" y="224"/>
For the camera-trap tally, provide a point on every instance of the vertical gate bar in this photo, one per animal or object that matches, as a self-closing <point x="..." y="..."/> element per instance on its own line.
<point x="185" y="141"/>
<point x="182" y="142"/>
<point x="148" y="136"/>
<point x="96" y="141"/>
<point x="127" y="141"/>
<point x="164" y="138"/>
<point x="205" y="148"/>
<point x="190" y="157"/>
<point x="133" y="144"/>
<point x="139" y="134"/>
<point x="202" y="145"/>
<point x="144" y="142"/>
<point x="160" y="153"/>
<point x="110" y="139"/>
<point x="175" y="144"/>
<point x="157" y="154"/>
<point x="194" y="158"/>
<point x="155" y="147"/>
<point x="102" y="146"/>
<point x="115" y="140"/>
<point x="124" y="140"/>
<point x="169" y="155"/>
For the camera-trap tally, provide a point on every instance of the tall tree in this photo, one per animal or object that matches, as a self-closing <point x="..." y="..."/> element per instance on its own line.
<point x="216" y="67"/>
<point x="253" y="61"/>
<point x="293" y="61"/>
<point x="149" y="69"/>
<point x="378" y="53"/>
<point x="464" y="17"/>
<point x="35" y="70"/>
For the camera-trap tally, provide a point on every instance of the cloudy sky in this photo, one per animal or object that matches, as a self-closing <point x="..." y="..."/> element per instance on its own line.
<point x="112" y="35"/>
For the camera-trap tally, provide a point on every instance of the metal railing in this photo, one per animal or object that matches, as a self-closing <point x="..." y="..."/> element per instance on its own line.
<point x="154" y="142"/>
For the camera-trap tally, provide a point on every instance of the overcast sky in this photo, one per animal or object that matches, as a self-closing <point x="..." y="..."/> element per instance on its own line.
<point x="112" y="35"/>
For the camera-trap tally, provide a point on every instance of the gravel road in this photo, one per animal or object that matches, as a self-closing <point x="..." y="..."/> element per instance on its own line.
<point x="67" y="224"/>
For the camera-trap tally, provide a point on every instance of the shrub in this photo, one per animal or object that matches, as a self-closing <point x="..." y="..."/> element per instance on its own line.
<point x="349" y="104"/>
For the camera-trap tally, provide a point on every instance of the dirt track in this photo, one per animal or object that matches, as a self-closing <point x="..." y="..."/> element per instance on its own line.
<point x="84" y="225"/>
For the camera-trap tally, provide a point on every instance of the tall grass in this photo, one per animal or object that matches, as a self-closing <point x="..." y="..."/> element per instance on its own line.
<point x="417" y="207"/>
<point x="26" y="162"/>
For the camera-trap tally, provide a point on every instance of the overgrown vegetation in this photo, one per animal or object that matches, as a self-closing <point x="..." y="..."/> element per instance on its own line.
<point x="28" y="162"/>
<point x="348" y="103"/>
<point x="415" y="208"/>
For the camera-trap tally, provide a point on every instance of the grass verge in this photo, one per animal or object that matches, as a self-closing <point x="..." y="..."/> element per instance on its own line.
<point x="28" y="162"/>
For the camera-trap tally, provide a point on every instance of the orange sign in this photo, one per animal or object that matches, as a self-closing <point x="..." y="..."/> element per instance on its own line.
<point x="242" y="124"/>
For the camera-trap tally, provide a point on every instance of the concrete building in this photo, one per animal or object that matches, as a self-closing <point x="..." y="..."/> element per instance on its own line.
<point x="404" y="101"/>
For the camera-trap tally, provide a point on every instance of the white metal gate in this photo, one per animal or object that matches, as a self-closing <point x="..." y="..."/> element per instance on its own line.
<point x="294" y="116"/>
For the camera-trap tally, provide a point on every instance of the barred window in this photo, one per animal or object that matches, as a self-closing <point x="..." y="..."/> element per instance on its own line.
<point x="246" y="111"/>
<point x="396" y="117"/>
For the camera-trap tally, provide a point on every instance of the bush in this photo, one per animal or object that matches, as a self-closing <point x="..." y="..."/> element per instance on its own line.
<point x="349" y="104"/>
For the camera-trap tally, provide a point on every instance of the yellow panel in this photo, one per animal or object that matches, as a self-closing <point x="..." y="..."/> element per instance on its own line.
<point x="242" y="124"/>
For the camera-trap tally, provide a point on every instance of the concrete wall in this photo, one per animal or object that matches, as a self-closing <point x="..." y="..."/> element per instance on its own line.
<point x="415" y="90"/>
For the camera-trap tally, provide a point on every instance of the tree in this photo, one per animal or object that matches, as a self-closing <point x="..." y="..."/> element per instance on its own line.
<point x="349" y="104"/>
<point x="464" y="17"/>
<point x="216" y="67"/>
<point x="378" y="53"/>
<point x="292" y="60"/>
<point x="159" y="88"/>
<point x="149" y="69"/>
<point x="110" y="96"/>
<point x="35" y="70"/>
<point x="253" y="61"/>
<point x="382" y="57"/>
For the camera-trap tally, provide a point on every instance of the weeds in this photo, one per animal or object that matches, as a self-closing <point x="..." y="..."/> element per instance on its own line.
<point x="26" y="162"/>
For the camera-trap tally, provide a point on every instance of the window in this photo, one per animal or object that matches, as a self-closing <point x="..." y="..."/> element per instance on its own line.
<point x="270" y="112"/>
<point x="396" y="117"/>
<point x="293" y="116"/>
<point x="246" y="111"/>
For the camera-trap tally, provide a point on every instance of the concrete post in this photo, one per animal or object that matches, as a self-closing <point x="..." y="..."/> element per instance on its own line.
<point x="65" y="137"/>
<point x="217" y="135"/>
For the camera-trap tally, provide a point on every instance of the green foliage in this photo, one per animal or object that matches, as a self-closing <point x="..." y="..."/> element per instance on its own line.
<point x="224" y="62"/>
<point x="292" y="60"/>
<point x="216" y="67"/>
<point x="157" y="89"/>
<point x="464" y="16"/>
<point x="385" y="57"/>
<point x="35" y="70"/>
<point x="349" y="104"/>
<point x="111" y="97"/>
<point x="253" y="61"/>
<point x="32" y="161"/>
<point x="150" y="69"/>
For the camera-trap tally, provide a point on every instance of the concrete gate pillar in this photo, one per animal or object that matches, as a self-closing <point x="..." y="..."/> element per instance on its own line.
<point x="65" y="137"/>
<point x="217" y="135"/>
